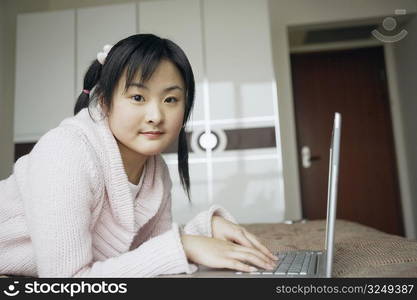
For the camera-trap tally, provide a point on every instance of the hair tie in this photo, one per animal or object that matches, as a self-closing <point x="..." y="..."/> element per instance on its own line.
<point x="86" y="92"/>
<point x="101" y="56"/>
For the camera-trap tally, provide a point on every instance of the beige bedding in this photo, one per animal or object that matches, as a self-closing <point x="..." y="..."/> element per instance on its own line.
<point x="360" y="251"/>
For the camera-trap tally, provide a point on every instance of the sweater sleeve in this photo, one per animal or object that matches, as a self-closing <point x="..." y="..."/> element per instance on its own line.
<point x="161" y="227"/>
<point x="58" y="209"/>
<point x="161" y="255"/>
<point x="164" y="221"/>
<point x="201" y="224"/>
<point x="165" y="214"/>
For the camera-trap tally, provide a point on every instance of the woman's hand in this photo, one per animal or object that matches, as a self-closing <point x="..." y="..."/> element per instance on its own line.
<point x="224" y="230"/>
<point x="217" y="253"/>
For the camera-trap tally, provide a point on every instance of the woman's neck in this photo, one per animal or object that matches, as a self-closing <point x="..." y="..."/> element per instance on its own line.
<point x="132" y="162"/>
<point x="134" y="174"/>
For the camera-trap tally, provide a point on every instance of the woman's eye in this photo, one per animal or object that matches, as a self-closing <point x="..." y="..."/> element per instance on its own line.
<point x="137" y="97"/>
<point x="171" y="100"/>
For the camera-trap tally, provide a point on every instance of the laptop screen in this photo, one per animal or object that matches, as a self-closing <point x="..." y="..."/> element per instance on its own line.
<point x="332" y="191"/>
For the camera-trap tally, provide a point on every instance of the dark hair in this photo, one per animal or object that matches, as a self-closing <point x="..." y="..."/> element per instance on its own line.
<point x="140" y="52"/>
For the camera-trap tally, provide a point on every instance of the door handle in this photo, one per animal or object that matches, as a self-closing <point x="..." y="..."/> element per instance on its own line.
<point x="306" y="157"/>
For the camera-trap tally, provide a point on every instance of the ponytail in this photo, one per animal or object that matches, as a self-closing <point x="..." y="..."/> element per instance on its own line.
<point x="90" y="80"/>
<point x="183" y="162"/>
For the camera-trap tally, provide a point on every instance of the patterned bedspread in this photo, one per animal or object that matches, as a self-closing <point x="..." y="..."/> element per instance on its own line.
<point x="360" y="251"/>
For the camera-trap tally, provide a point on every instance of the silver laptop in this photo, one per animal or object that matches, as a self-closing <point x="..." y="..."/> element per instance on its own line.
<point x="301" y="263"/>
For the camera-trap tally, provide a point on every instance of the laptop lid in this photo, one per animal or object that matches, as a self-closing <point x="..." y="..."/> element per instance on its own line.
<point x="332" y="192"/>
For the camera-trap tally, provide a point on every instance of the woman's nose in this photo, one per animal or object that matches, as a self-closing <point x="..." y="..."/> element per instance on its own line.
<point x="154" y="114"/>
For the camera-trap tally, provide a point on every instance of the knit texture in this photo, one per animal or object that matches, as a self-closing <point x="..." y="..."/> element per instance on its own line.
<point x="67" y="210"/>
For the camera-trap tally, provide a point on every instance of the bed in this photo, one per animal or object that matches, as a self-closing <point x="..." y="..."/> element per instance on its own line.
<point x="360" y="251"/>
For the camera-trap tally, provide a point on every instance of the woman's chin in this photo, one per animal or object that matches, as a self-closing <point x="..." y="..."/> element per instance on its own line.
<point x="150" y="152"/>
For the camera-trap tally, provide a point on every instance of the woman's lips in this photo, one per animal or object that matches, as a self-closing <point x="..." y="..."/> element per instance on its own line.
<point x="152" y="135"/>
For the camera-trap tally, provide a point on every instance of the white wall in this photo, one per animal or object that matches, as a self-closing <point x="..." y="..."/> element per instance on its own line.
<point x="405" y="57"/>
<point x="6" y="109"/>
<point x="285" y="13"/>
<point x="302" y="12"/>
<point x="9" y="10"/>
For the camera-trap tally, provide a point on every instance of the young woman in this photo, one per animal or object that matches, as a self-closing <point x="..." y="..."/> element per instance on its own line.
<point x="92" y="199"/>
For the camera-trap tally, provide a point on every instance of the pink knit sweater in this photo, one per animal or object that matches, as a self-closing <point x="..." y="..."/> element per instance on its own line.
<point x="67" y="210"/>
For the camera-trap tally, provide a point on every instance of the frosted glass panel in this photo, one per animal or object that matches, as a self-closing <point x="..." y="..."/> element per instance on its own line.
<point x="198" y="110"/>
<point x="181" y="209"/>
<point x="252" y="184"/>
<point x="238" y="42"/>
<point x="229" y="100"/>
<point x="224" y="103"/>
<point x="179" y="21"/>
<point x="256" y="99"/>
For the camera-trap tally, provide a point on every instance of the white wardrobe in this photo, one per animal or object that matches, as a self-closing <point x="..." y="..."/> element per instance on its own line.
<point x="235" y="155"/>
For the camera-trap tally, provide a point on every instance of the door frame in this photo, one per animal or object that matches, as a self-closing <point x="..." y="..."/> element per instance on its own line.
<point x="395" y="109"/>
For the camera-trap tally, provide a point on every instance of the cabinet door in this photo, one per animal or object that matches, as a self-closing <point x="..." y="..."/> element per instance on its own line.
<point x="45" y="68"/>
<point x="246" y="169"/>
<point x="98" y="26"/>
<point x="239" y="59"/>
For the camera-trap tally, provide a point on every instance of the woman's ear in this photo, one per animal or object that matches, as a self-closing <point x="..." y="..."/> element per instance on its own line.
<point x="103" y="106"/>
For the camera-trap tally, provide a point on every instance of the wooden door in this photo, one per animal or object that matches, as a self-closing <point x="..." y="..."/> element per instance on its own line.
<point x="353" y="83"/>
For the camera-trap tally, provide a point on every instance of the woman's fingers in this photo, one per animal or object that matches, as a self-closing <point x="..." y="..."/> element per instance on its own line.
<point x="223" y="254"/>
<point x="259" y="246"/>
<point x="263" y="260"/>
<point x="247" y="239"/>
<point x="240" y="266"/>
<point x="240" y="238"/>
<point x="252" y="258"/>
<point x="243" y="240"/>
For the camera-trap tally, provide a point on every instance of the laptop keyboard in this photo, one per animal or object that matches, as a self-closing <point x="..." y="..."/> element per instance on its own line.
<point x="292" y="263"/>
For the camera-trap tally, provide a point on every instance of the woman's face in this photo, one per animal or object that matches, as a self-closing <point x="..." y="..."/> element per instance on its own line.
<point x="158" y="105"/>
